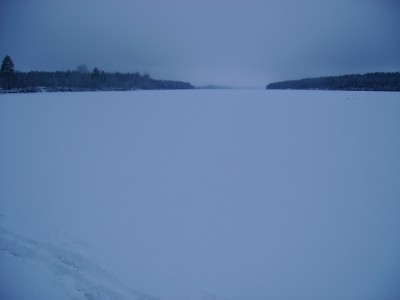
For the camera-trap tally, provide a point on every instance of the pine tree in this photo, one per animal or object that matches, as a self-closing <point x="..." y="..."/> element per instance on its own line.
<point x="7" y="72"/>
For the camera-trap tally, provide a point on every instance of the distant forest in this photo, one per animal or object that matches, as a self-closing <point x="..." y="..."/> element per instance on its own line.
<point x="80" y="80"/>
<point x="357" y="82"/>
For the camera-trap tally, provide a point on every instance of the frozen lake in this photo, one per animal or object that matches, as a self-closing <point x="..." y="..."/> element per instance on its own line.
<point x="204" y="194"/>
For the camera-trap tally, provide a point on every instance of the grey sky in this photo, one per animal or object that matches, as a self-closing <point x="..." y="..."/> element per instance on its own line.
<point x="243" y="43"/>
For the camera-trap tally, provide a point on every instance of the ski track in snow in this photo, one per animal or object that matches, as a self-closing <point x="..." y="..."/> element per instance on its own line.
<point x="76" y="277"/>
<point x="65" y="274"/>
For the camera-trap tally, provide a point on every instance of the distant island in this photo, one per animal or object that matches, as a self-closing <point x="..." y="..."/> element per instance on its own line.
<point x="80" y="79"/>
<point x="378" y="81"/>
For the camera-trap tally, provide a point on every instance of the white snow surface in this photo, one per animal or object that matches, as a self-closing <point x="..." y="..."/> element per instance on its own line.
<point x="201" y="195"/>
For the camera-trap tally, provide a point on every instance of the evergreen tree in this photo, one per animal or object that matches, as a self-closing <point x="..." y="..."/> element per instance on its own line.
<point x="7" y="71"/>
<point x="95" y="76"/>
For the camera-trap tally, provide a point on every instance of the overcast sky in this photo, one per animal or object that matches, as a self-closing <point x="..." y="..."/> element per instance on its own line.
<point x="238" y="43"/>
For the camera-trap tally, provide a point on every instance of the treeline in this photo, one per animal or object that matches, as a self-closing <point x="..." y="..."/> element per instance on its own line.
<point x="80" y="80"/>
<point x="378" y="81"/>
<point x="95" y="80"/>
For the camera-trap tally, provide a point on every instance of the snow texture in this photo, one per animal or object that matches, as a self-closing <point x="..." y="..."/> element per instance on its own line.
<point x="34" y="270"/>
<point x="201" y="195"/>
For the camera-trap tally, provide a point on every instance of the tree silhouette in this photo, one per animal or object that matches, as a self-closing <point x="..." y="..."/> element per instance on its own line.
<point x="7" y="72"/>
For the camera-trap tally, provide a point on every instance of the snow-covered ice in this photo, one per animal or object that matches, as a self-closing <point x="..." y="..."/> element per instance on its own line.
<point x="204" y="194"/>
<point x="35" y="270"/>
